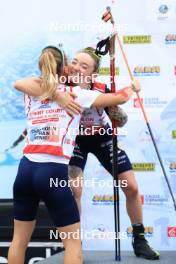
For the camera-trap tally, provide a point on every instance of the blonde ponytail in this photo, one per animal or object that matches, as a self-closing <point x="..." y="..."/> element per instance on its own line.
<point x="50" y="64"/>
<point x="48" y="67"/>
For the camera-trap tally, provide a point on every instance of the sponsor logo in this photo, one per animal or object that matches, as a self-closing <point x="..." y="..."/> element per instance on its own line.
<point x="153" y="199"/>
<point x="174" y="134"/>
<point x="136" y="103"/>
<point x="150" y="102"/>
<point x="163" y="9"/>
<point x="170" y="39"/>
<point x="137" y="39"/>
<point x="106" y="71"/>
<point x="172" y="167"/>
<point x="171" y="231"/>
<point x="105" y="199"/>
<point x="45" y="103"/>
<point x="147" y="70"/>
<point x="143" y="166"/>
<point x="148" y="231"/>
<point x="160" y="10"/>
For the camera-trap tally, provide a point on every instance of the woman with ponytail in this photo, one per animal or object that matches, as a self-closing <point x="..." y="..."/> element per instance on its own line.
<point x="49" y="144"/>
<point x="44" y="162"/>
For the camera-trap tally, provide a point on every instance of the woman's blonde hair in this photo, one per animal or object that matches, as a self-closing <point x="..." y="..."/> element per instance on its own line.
<point x="51" y="62"/>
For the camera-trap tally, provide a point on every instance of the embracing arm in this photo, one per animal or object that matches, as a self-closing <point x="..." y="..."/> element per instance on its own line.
<point x="32" y="86"/>
<point x="120" y="97"/>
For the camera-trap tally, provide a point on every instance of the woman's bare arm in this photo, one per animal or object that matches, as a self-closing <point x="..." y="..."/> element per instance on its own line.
<point x="32" y="86"/>
<point x="120" y="97"/>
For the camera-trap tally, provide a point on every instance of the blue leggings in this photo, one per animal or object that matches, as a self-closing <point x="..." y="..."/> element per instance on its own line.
<point x="101" y="147"/>
<point x="44" y="181"/>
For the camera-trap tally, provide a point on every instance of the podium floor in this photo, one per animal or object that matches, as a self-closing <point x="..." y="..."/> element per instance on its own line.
<point x="107" y="257"/>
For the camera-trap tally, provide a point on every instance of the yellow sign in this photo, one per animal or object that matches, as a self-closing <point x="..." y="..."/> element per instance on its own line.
<point x="106" y="71"/>
<point x="147" y="69"/>
<point x="103" y="198"/>
<point x="173" y="133"/>
<point x="137" y="39"/>
<point x="143" y="166"/>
